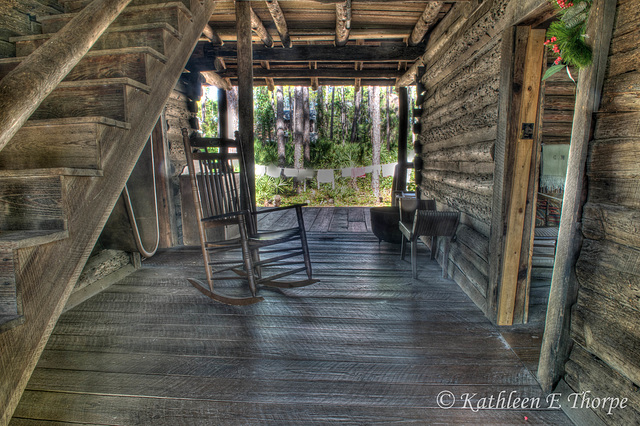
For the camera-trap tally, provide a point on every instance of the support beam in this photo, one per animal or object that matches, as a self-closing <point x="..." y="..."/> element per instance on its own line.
<point x="517" y="202"/>
<point x="385" y="1"/>
<point x="324" y="82"/>
<point x="425" y="22"/>
<point x="343" y="22"/>
<point x="27" y="85"/>
<point x="452" y="24"/>
<point x="281" y="23"/>
<point x="563" y="293"/>
<point x="269" y="80"/>
<point x="403" y="132"/>
<point x="219" y="65"/>
<point x="223" y="115"/>
<point x="211" y="35"/>
<point x="312" y="53"/>
<point x="244" y="18"/>
<point x="258" y="27"/>
<point x="213" y="79"/>
<point x="314" y="73"/>
<point x="322" y="34"/>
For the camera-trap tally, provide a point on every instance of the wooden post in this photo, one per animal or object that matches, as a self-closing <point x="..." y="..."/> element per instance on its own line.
<point x="563" y="293"/>
<point x="26" y="86"/>
<point x="223" y="115"/>
<point x="520" y="179"/>
<point x="166" y="211"/>
<point x="403" y="132"/>
<point x="245" y="92"/>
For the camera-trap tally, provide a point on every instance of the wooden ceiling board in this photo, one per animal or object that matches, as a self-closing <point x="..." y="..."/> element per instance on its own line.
<point x="313" y="22"/>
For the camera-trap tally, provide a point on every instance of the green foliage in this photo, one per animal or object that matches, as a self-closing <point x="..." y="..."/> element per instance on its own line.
<point x="566" y="37"/>
<point x="208" y="113"/>
<point x="326" y="153"/>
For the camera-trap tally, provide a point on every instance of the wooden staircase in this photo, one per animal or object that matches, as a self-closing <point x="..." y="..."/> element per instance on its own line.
<point x="61" y="174"/>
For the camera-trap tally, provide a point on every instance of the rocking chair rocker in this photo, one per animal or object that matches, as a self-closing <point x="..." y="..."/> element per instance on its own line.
<point x="217" y="190"/>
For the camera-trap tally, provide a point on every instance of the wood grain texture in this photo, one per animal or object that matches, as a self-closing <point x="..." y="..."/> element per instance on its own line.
<point x="518" y="197"/>
<point x="24" y="88"/>
<point x="45" y="281"/>
<point x="174" y="14"/>
<point x="365" y="344"/>
<point x="555" y="344"/>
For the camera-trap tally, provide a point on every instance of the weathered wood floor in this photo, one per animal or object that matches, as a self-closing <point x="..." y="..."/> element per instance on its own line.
<point x="367" y="344"/>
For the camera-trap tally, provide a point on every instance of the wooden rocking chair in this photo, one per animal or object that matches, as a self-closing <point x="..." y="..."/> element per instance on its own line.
<point x="217" y="190"/>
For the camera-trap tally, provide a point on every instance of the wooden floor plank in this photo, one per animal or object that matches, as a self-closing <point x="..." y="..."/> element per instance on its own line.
<point x="366" y="345"/>
<point x="108" y="409"/>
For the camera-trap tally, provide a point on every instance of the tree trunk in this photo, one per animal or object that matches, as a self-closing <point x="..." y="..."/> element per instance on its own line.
<point x="306" y="124"/>
<point x="388" y="120"/>
<point x="232" y="102"/>
<point x="320" y="116"/>
<point x="298" y="129"/>
<point x="374" y="106"/>
<point x="343" y="117"/>
<point x="356" y="116"/>
<point x="291" y="113"/>
<point x="333" y="98"/>
<point x="280" y="126"/>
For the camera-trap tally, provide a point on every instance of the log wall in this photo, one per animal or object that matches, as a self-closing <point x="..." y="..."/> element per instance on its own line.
<point x="179" y="115"/>
<point x="19" y="17"/>
<point x="457" y="139"/>
<point x="605" y="321"/>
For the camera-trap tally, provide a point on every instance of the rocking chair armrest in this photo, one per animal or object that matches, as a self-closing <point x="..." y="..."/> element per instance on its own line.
<point x="225" y="216"/>
<point x="275" y="209"/>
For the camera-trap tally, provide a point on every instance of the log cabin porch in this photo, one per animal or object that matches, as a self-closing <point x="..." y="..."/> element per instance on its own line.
<point x="135" y="354"/>
<point x="367" y="344"/>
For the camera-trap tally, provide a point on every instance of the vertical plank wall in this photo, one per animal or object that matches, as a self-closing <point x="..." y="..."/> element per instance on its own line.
<point x="605" y="322"/>
<point x="459" y="129"/>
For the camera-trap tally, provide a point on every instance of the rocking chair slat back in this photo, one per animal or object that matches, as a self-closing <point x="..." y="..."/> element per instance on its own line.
<point x="219" y="185"/>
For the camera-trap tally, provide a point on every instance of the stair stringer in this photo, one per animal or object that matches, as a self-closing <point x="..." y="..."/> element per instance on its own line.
<point x="49" y="272"/>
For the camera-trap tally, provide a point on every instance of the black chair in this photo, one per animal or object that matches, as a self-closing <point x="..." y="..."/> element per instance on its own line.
<point x="428" y="223"/>
<point x="220" y="194"/>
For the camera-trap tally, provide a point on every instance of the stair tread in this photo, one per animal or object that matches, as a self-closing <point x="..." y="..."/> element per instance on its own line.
<point x="138" y="27"/>
<point x="9" y="321"/>
<point x="103" y="52"/>
<point x="78" y="120"/>
<point x="53" y="171"/>
<point x="22" y="239"/>
<point x="104" y="82"/>
<point x="130" y="9"/>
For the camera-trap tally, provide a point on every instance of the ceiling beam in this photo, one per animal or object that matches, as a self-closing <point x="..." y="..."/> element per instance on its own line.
<point x="204" y="53"/>
<point x="316" y="73"/>
<point x="388" y="82"/>
<point x="211" y="35"/>
<point x="450" y="27"/>
<point x="213" y="79"/>
<point x="384" y="1"/>
<point x="343" y="22"/>
<point x="228" y="34"/>
<point x="281" y="23"/>
<point x="258" y="27"/>
<point x="429" y="16"/>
